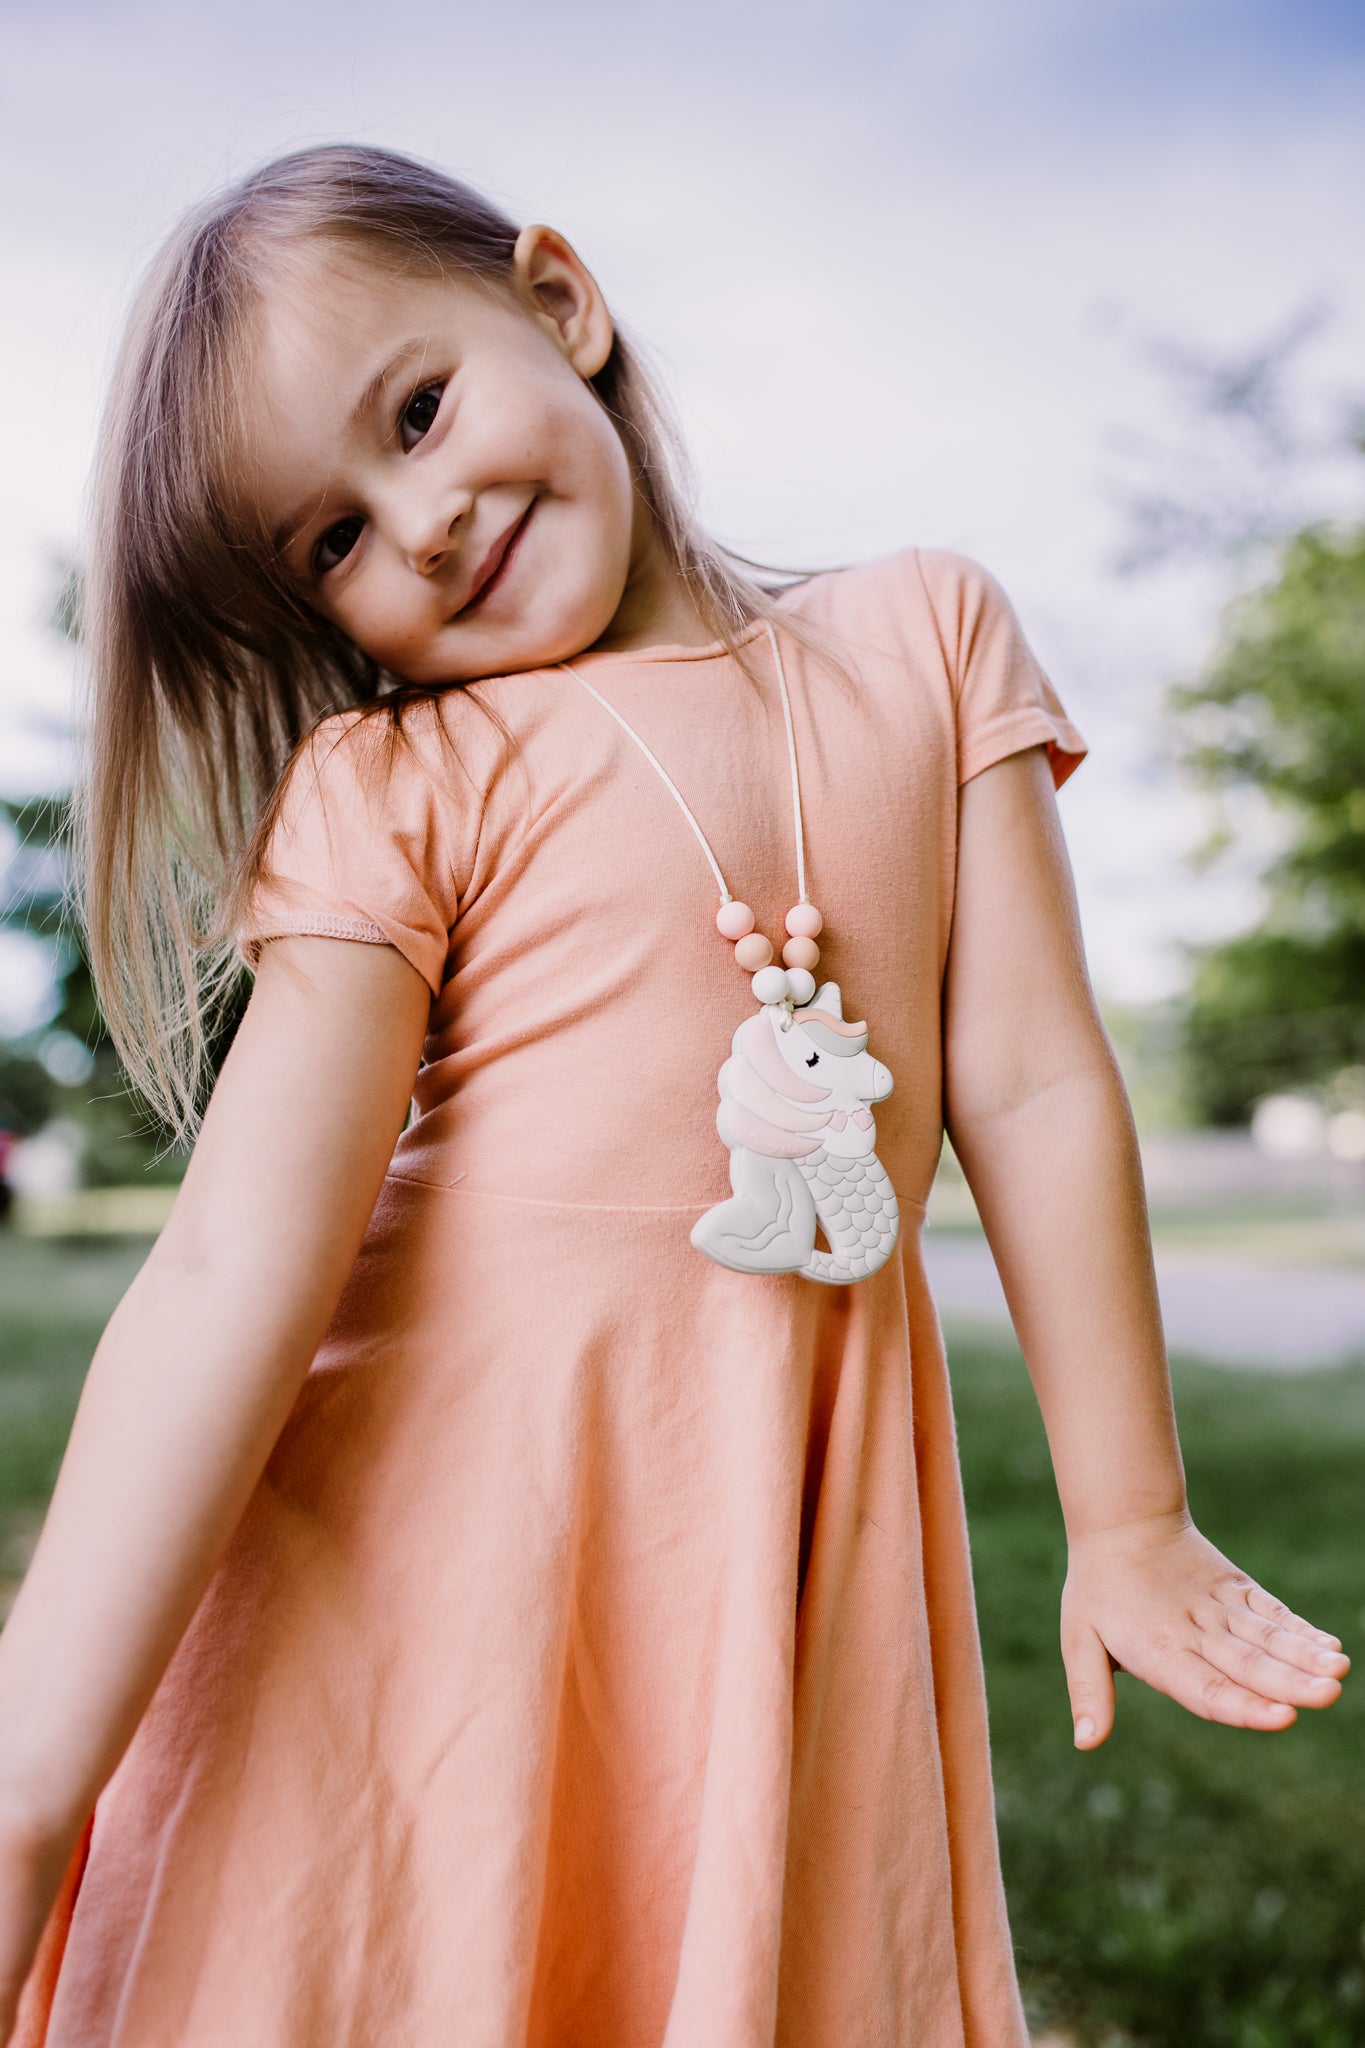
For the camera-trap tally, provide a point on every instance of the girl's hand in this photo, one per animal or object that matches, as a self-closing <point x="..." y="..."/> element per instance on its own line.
<point x="1156" y="1599"/>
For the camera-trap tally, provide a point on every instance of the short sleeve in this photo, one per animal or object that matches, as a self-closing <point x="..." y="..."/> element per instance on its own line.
<point x="359" y="849"/>
<point x="1004" y="700"/>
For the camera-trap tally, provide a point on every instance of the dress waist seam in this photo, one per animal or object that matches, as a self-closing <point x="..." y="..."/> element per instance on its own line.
<point x="454" y="1187"/>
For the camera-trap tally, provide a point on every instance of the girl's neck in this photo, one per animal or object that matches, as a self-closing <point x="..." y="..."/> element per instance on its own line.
<point x="656" y="609"/>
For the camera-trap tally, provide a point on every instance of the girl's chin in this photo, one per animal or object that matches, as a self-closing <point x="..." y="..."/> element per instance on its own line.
<point x="556" y="633"/>
<point x="556" y="625"/>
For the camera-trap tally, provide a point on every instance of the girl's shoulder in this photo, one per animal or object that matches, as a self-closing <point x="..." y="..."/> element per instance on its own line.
<point x="937" y="595"/>
<point x="414" y="774"/>
<point x="372" y="834"/>
<point x="368" y="757"/>
<point x="944" y="619"/>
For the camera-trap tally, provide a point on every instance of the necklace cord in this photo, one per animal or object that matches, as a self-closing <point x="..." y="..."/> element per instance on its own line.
<point x="681" y="800"/>
<point x="796" y="779"/>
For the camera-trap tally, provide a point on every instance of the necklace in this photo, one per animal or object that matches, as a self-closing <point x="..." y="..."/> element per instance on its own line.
<point x="796" y="1091"/>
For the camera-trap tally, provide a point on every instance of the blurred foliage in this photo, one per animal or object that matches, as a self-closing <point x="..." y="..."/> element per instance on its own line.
<point x="1282" y="710"/>
<point x="1185" y="1883"/>
<point x="1242" y="462"/>
<point x="1148" y="1039"/>
<point x="1276" y="724"/>
<point x="67" y="1067"/>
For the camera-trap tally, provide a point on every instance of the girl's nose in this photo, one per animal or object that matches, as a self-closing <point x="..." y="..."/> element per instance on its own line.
<point x="428" y="528"/>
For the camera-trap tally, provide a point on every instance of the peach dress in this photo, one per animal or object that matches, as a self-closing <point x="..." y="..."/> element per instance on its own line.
<point x="595" y="1665"/>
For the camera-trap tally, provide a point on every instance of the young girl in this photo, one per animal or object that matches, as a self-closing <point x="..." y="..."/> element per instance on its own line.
<point x="508" y="1581"/>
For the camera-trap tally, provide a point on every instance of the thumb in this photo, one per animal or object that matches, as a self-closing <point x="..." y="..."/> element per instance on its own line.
<point x="1090" y="1682"/>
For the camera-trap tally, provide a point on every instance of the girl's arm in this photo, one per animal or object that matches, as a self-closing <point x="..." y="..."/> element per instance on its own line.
<point x="190" y="1387"/>
<point x="1037" y="1114"/>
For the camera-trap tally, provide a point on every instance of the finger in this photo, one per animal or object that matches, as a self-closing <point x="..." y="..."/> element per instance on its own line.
<point x="1260" y="1672"/>
<point x="1306" y="1653"/>
<point x="1199" y="1686"/>
<point x="1090" y="1684"/>
<point x="1261" y="1602"/>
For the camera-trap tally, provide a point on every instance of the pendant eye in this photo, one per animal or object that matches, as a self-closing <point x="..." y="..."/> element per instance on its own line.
<point x="814" y="1060"/>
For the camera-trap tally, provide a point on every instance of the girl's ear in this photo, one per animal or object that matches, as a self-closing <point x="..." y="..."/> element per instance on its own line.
<point x="564" y="297"/>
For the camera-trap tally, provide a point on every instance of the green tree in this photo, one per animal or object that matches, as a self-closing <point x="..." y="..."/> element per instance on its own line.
<point x="1281" y="709"/>
<point x="68" y="1067"/>
<point x="32" y="880"/>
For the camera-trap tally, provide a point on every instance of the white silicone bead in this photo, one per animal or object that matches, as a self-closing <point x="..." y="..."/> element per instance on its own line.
<point x="800" y="985"/>
<point x="770" y="984"/>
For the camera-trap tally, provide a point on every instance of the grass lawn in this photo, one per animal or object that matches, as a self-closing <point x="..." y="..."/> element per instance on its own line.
<point x="1185" y="1886"/>
<point x="55" y="1298"/>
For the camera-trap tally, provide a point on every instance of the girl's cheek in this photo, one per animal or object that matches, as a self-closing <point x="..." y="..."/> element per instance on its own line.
<point x="370" y="612"/>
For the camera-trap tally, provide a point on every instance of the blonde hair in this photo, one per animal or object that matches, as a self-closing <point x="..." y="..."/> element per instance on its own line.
<point x="207" y="668"/>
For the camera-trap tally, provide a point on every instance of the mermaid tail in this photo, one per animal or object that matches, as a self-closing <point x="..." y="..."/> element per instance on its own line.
<point x="768" y="1225"/>
<point x="858" y="1209"/>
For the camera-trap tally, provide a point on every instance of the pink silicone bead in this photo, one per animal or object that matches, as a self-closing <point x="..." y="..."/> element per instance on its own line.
<point x="734" y="920"/>
<point x="753" y="951"/>
<point x="801" y="952"/>
<point x="803" y="922"/>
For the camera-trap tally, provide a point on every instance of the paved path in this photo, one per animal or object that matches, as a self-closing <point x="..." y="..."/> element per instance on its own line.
<point x="1230" y="1312"/>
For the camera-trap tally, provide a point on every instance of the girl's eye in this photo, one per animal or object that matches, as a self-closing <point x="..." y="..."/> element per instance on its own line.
<point x="814" y="1060"/>
<point x="336" y="544"/>
<point x="419" y="414"/>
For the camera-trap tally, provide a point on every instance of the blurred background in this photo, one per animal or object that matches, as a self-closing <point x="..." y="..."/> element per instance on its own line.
<point x="1076" y="289"/>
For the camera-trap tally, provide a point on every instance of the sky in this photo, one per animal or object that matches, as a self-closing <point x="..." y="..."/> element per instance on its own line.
<point x="904" y="267"/>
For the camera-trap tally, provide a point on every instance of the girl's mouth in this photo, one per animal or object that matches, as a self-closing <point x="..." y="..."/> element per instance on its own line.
<point x="503" y="554"/>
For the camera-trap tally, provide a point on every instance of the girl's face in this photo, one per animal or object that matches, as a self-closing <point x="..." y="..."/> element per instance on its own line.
<point x="439" y="478"/>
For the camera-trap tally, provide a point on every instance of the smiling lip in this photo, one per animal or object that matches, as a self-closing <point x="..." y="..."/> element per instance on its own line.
<point x="495" y="561"/>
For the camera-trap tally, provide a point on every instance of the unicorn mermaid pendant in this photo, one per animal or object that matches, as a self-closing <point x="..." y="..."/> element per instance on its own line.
<point x="794" y="1111"/>
<point x="796" y="1089"/>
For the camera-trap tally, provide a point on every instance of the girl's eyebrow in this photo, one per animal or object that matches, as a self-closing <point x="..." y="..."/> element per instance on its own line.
<point x="374" y="390"/>
<point x="287" y="531"/>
